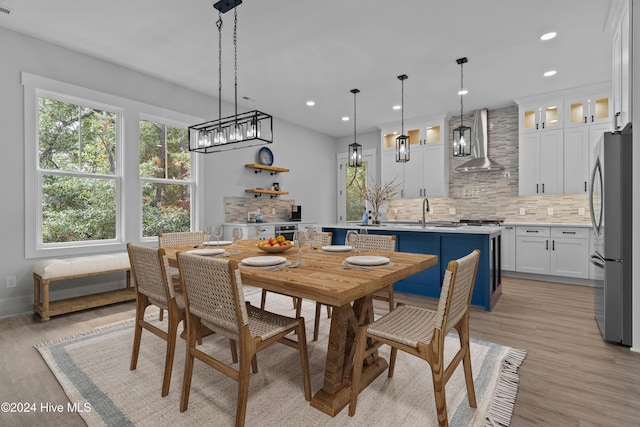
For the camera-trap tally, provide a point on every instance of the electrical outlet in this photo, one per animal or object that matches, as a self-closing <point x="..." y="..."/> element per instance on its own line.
<point x="581" y="211"/>
<point x="549" y="211"/>
<point x="273" y="211"/>
<point x="11" y="282"/>
<point x="258" y="211"/>
<point x="522" y="211"/>
<point x="452" y="211"/>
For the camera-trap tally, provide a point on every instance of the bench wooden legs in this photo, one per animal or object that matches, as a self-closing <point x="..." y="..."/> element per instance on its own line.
<point x="43" y="309"/>
<point x="46" y="308"/>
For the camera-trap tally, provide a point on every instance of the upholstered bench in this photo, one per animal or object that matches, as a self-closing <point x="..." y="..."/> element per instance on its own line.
<point x="50" y="270"/>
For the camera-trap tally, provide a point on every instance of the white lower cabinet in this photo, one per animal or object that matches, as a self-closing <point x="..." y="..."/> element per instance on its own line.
<point x="508" y="248"/>
<point x="570" y="252"/>
<point x="248" y="231"/>
<point x="557" y="251"/>
<point x="532" y="250"/>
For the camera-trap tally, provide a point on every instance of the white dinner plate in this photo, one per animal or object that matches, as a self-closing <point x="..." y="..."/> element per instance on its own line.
<point x="206" y="251"/>
<point x="367" y="260"/>
<point x="263" y="261"/>
<point x="220" y="243"/>
<point x="337" y="248"/>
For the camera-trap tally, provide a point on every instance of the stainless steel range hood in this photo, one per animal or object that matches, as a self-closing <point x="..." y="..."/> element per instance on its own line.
<point x="479" y="146"/>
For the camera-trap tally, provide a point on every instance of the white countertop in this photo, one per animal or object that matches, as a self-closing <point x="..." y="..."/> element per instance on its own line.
<point x="547" y="224"/>
<point x="469" y="229"/>
<point x="243" y="224"/>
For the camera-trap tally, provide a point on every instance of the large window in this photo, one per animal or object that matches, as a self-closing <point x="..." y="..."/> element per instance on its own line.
<point x="165" y="172"/>
<point x="102" y="170"/>
<point x="78" y="171"/>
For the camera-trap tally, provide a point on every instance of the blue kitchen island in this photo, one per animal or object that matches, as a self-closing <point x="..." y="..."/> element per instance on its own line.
<point x="448" y="243"/>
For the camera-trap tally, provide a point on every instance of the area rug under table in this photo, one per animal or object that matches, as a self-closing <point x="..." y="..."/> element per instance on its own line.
<point x="93" y="369"/>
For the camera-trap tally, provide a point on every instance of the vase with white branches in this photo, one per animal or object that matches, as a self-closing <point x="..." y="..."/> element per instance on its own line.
<point x="377" y="195"/>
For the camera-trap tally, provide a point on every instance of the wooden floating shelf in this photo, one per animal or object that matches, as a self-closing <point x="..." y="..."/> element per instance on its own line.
<point x="260" y="191"/>
<point x="259" y="168"/>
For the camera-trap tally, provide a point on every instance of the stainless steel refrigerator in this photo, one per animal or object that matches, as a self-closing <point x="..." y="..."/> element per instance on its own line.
<point x="610" y="201"/>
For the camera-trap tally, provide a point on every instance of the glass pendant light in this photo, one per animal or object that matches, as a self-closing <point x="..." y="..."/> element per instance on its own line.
<point x="461" y="134"/>
<point x="355" y="149"/>
<point x="402" y="142"/>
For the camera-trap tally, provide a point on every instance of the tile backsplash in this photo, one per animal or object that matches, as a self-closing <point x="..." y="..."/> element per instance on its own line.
<point x="493" y="195"/>
<point x="237" y="208"/>
<point x="478" y="195"/>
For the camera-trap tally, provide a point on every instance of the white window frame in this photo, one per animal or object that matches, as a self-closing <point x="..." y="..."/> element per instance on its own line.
<point x="370" y="156"/>
<point x="193" y="188"/>
<point x="128" y="190"/>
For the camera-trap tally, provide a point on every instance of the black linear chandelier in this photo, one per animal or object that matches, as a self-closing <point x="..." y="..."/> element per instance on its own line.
<point x="355" y="149"/>
<point x="240" y="130"/>
<point x="402" y="142"/>
<point x="461" y="134"/>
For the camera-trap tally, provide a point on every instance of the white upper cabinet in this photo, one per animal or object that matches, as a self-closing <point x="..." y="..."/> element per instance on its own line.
<point x="426" y="174"/>
<point x="537" y="117"/>
<point x="587" y="110"/>
<point x="557" y="136"/>
<point x="622" y="66"/>
<point x="579" y="143"/>
<point x="541" y="163"/>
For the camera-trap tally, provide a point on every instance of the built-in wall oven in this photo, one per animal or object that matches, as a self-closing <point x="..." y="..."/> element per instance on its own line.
<point x="286" y="230"/>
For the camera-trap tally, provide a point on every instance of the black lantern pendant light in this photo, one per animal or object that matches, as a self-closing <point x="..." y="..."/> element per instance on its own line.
<point x="355" y="149"/>
<point x="402" y="142"/>
<point x="462" y="134"/>
<point x="237" y="131"/>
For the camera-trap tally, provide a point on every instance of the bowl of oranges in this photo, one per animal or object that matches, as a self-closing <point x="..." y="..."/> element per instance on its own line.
<point x="275" y="245"/>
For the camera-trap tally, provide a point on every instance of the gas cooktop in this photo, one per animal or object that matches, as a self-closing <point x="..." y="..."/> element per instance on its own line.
<point x="476" y="222"/>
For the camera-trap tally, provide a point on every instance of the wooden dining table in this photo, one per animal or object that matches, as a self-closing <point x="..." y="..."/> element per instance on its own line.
<point x="323" y="277"/>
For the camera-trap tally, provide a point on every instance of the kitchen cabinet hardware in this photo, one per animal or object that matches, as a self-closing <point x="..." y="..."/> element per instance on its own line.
<point x="568" y="232"/>
<point x="553" y="245"/>
<point x="547" y="246"/>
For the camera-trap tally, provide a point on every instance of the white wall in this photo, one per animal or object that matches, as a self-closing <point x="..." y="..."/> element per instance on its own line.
<point x="308" y="154"/>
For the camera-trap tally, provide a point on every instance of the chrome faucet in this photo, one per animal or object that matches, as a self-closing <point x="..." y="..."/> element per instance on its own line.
<point x="425" y="209"/>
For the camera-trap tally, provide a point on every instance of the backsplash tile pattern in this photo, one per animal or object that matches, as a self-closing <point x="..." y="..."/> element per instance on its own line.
<point x="493" y="195"/>
<point x="237" y="208"/>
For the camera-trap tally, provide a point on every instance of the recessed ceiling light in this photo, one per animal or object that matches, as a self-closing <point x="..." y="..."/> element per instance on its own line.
<point x="548" y="36"/>
<point x="550" y="73"/>
<point x="463" y="92"/>
<point x="345" y="119"/>
<point x="397" y="107"/>
<point x="311" y="103"/>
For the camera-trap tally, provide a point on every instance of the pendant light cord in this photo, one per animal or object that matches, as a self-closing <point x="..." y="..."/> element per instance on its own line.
<point x="402" y="109"/>
<point x="219" y="25"/>
<point x="355" y="92"/>
<point x="235" y="58"/>
<point x="461" y="94"/>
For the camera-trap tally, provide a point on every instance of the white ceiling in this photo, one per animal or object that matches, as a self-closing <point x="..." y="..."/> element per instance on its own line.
<point x="295" y="50"/>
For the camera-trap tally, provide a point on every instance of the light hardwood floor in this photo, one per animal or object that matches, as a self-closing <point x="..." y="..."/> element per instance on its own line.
<point x="570" y="376"/>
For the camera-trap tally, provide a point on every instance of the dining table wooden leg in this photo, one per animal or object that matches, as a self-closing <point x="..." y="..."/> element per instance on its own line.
<point x="335" y="392"/>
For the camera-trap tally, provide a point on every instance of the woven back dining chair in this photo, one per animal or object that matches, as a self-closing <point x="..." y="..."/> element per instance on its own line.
<point x="379" y="242"/>
<point x="214" y="298"/>
<point x="181" y="238"/>
<point x="322" y="238"/>
<point x="149" y="267"/>
<point x="421" y="332"/>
